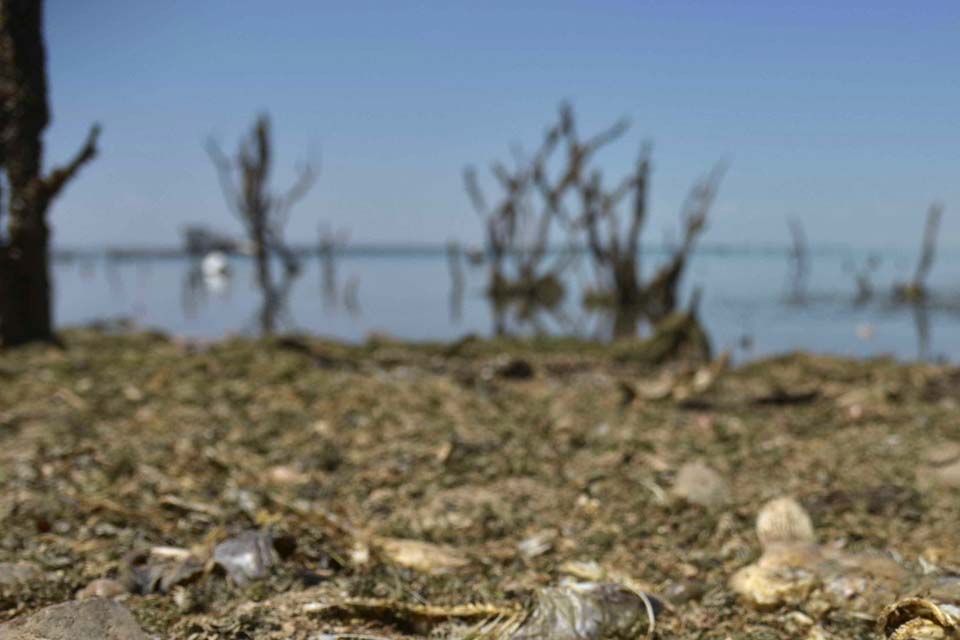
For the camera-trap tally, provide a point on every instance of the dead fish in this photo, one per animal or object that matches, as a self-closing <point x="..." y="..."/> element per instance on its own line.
<point x="579" y="611"/>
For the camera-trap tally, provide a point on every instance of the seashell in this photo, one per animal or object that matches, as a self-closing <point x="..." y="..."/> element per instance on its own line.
<point x="919" y="619"/>
<point x="767" y="587"/>
<point x="424" y="557"/>
<point x="783" y="520"/>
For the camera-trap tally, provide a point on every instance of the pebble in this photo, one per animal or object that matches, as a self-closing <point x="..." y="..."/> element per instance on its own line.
<point x="17" y="574"/>
<point x="699" y="484"/>
<point x="102" y="588"/>
<point x="93" y="619"/>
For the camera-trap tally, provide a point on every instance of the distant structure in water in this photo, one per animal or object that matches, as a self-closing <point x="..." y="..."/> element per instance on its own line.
<point x="200" y="241"/>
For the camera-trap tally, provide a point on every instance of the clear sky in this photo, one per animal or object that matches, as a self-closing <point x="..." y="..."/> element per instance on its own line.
<point x="843" y="113"/>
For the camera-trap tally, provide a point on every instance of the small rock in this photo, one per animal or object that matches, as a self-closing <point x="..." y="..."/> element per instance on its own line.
<point x="94" y="619"/>
<point x="18" y="574"/>
<point x="515" y="369"/>
<point x="102" y="588"/>
<point x="699" y="484"/>
<point x="943" y="453"/>
<point x="685" y="591"/>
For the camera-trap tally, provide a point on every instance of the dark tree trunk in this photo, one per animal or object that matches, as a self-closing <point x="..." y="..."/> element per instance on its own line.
<point x="25" y="296"/>
<point x="261" y="256"/>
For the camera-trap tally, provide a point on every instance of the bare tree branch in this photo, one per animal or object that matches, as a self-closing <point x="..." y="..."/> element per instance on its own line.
<point x="928" y="250"/>
<point x="55" y="181"/>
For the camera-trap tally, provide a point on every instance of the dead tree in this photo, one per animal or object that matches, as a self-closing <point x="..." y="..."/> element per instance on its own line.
<point x="532" y="201"/>
<point x="863" y="278"/>
<point x="799" y="262"/>
<point x="25" y="291"/>
<point x="245" y="184"/>
<point x="330" y="244"/>
<point x="916" y="290"/>
<point x="457" y="279"/>
<point x="615" y="245"/>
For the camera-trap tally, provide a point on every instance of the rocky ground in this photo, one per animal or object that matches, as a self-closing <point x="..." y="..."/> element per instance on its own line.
<point x="296" y="488"/>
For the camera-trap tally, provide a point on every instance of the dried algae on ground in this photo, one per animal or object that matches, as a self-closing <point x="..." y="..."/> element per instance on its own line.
<point x="418" y="480"/>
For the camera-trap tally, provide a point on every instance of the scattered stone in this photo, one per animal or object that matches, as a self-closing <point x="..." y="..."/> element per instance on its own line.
<point x="18" y="574"/>
<point x="515" y="369"/>
<point x="940" y="466"/>
<point x="700" y="485"/>
<point x="94" y="619"/>
<point x="102" y="588"/>
<point x="795" y="570"/>
<point x="685" y="591"/>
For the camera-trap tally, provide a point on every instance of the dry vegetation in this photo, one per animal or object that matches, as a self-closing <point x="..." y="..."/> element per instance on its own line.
<point x="124" y="452"/>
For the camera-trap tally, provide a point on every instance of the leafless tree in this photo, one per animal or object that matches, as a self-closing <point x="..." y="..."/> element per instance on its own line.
<point x="533" y="199"/>
<point x="799" y="261"/>
<point x="330" y="243"/>
<point x="457" y="279"/>
<point x="245" y="184"/>
<point x="25" y="290"/>
<point x="916" y="289"/>
<point x="614" y="238"/>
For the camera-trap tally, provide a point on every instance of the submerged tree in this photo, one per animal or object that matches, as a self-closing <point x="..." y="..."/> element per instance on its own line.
<point x="916" y="289"/>
<point x="533" y="199"/>
<point x="25" y="289"/>
<point x="614" y="239"/>
<point x="245" y="183"/>
<point x="799" y="262"/>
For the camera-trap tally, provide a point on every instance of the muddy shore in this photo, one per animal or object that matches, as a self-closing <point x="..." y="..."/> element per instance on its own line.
<point x="126" y="454"/>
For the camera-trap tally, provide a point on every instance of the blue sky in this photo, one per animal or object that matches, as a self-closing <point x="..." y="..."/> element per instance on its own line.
<point x="845" y="114"/>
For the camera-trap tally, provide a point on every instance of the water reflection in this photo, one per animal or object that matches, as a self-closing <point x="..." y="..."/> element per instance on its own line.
<point x="411" y="296"/>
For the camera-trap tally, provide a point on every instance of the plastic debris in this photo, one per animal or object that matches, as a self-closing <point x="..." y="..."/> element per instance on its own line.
<point x="246" y="557"/>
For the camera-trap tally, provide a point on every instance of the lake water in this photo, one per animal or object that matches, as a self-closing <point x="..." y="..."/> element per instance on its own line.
<point x="745" y="301"/>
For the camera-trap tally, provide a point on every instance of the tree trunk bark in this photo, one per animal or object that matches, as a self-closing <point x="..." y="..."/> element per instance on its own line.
<point x="24" y="311"/>
<point x="25" y="300"/>
<point x="261" y="255"/>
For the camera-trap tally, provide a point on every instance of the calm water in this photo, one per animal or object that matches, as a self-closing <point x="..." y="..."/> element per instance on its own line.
<point x="744" y="303"/>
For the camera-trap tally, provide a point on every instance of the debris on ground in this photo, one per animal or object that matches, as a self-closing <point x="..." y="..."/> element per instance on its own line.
<point x="795" y="570"/>
<point x="95" y="619"/>
<point x="247" y="556"/>
<point x="254" y="489"/>
<point x="698" y="484"/>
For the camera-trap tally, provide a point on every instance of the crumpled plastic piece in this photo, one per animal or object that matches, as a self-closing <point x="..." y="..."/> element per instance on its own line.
<point x="247" y="556"/>
<point x="588" y="611"/>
